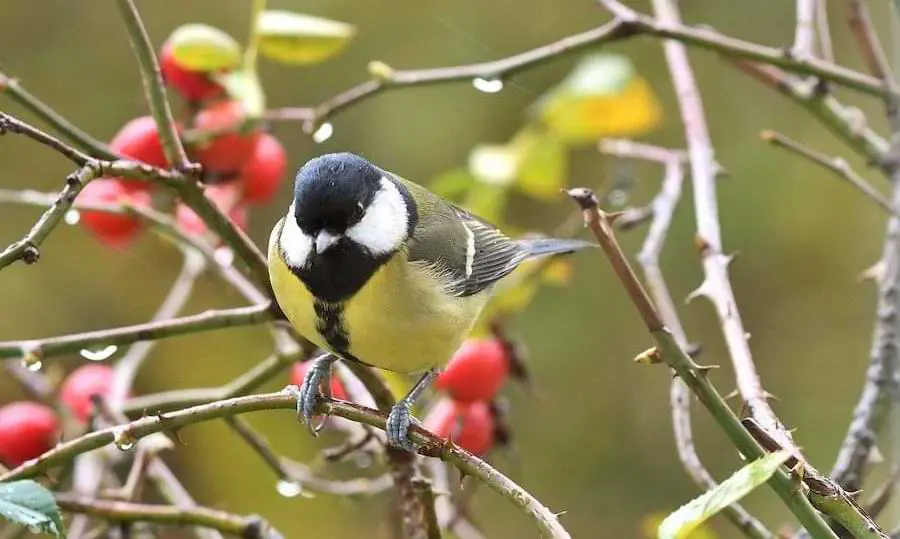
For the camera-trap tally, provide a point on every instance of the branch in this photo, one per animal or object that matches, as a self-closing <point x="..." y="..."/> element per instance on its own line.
<point x="429" y="444"/>
<point x="835" y="164"/>
<point x="247" y="527"/>
<point x="825" y="48"/>
<point x="422" y="486"/>
<point x="669" y="352"/>
<point x="21" y="96"/>
<point x="711" y="40"/>
<point x="867" y="40"/>
<point x="663" y="206"/>
<point x="847" y="124"/>
<point x="153" y="86"/>
<point x="205" y="321"/>
<point x="805" y="31"/>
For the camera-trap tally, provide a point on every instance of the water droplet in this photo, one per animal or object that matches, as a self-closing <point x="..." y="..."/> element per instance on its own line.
<point x="488" y="86"/>
<point x="224" y="256"/>
<point x="98" y="355"/>
<point x="72" y="217"/>
<point x="288" y="489"/>
<point x="31" y="356"/>
<point x="123" y="439"/>
<point x="323" y="133"/>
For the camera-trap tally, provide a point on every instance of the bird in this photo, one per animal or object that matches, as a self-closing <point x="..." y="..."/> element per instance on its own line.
<point x="373" y="268"/>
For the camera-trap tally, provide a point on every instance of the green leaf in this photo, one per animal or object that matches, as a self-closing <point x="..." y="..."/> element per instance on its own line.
<point x="298" y="39"/>
<point x="602" y="97"/>
<point x="680" y="523"/>
<point x="544" y="164"/>
<point x="30" y="504"/>
<point x="200" y="47"/>
<point x="245" y="86"/>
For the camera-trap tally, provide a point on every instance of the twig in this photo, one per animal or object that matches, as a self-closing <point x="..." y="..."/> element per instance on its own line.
<point x="304" y="475"/>
<point x="34" y="383"/>
<point x="248" y="527"/>
<point x="26" y="249"/>
<point x="867" y="40"/>
<point x="205" y="321"/>
<point x="153" y="86"/>
<point x="881" y="498"/>
<point x="9" y="124"/>
<point x="846" y="124"/>
<point x="663" y="209"/>
<point x="422" y="486"/>
<point x="668" y="351"/>
<point x="14" y="89"/>
<point x="250" y="51"/>
<point x="716" y="286"/>
<point x="805" y="31"/>
<point x="826" y="50"/>
<point x="429" y="444"/>
<point x="835" y="164"/>
<point x="736" y="48"/>
<point x="448" y="517"/>
<point x="126" y="368"/>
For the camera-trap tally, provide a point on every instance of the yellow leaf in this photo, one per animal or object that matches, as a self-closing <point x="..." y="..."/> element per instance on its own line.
<point x="200" y="47"/>
<point x="650" y="525"/>
<point x="298" y="39"/>
<point x="245" y="87"/>
<point x="602" y="97"/>
<point x="543" y="165"/>
<point x="495" y="164"/>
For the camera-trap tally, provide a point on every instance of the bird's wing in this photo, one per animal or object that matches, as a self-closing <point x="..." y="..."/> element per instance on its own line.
<point x="467" y="253"/>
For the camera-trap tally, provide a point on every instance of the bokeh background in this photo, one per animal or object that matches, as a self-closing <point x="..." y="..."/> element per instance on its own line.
<point x="594" y="439"/>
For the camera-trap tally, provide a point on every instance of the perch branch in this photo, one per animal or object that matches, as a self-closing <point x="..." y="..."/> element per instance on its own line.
<point x="247" y="527"/>
<point x="835" y="164"/>
<point x="205" y="321"/>
<point x="429" y="445"/>
<point x="663" y="207"/>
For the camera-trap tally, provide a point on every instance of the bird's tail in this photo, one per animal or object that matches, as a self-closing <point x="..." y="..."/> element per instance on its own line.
<point x="537" y="247"/>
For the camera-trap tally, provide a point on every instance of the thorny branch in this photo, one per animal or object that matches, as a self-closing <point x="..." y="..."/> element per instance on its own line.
<point x="663" y="209"/>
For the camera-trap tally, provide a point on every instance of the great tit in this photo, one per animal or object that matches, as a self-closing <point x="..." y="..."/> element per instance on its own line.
<point x="376" y="269"/>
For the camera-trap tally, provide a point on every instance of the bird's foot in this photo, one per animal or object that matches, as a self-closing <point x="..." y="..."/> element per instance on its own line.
<point x="398" y="423"/>
<point x="318" y="374"/>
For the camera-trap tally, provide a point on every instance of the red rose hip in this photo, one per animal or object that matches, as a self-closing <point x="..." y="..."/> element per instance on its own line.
<point x="476" y="371"/>
<point x="263" y="173"/>
<point x="27" y="429"/>
<point x="468" y="425"/>
<point x="226" y="198"/>
<point x="228" y="152"/>
<point x="139" y="140"/>
<point x="81" y="385"/>
<point x="298" y="373"/>
<point x="112" y="229"/>
<point x="192" y="85"/>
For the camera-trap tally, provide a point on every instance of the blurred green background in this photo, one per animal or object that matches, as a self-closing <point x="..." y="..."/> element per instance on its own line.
<point x="594" y="440"/>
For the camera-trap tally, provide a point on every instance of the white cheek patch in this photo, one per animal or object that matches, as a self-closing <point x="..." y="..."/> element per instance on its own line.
<point x="383" y="228"/>
<point x="295" y="245"/>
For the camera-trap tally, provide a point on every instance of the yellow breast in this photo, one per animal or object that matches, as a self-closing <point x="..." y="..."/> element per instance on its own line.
<point x="399" y="321"/>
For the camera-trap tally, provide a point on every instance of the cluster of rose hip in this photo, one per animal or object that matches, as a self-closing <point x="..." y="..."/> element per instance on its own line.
<point x="244" y="166"/>
<point x="465" y="412"/>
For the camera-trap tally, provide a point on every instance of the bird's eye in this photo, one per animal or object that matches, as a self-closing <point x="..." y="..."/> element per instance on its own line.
<point x="358" y="211"/>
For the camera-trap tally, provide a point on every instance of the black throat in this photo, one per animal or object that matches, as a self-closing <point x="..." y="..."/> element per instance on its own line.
<point x="338" y="273"/>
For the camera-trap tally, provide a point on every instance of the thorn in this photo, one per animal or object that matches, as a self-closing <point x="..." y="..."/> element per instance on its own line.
<point x="874" y="273"/>
<point x="875" y="456"/>
<point x="649" y="356"/>
<point x="703" y="370"/>
<point x="768" y="396"/>
<point x="693" y="350"/>
<point x="611" y="218"/>
<point x="734" y="394"/>
<point x="730" y="258"/>
<point x="702" y="290"/>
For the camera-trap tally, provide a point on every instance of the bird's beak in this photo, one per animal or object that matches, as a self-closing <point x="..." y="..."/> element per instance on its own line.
<point x="325" y="240"/>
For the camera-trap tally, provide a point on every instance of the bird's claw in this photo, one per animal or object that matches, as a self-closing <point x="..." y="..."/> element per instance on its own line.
<point x="398" y="422"/>
<point x="319" y="372"/>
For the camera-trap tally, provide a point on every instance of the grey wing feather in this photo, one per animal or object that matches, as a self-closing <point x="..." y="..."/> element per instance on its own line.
<point x="470" y="255"/>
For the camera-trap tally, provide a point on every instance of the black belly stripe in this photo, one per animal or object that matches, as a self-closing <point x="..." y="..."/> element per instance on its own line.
<point x="330" y="325"/>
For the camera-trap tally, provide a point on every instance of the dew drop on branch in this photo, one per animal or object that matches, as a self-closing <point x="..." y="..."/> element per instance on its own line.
<point x="98" y="355"/>
<point x="488" y="86"/>
<point x="123" y="439"/>
<point x="32" y="365"/>
<point x="323" y="133"/>
<point x="288" y="489"/>
<point x="224" y="256"/>
<point x="72" y="217"/>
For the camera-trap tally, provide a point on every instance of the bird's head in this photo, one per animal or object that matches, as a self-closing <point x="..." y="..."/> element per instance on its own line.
<point x="345" y="208"/>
